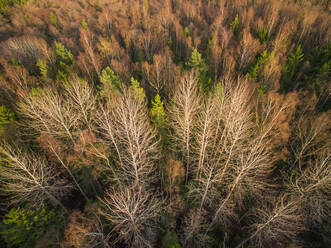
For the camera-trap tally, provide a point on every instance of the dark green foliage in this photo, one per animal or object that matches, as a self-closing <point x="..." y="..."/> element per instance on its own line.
<point x="235" y="26"/>
<point x="6" y="115"/>
<point x="64" y="59"/>
<point x="23" y="227"/>
<point x="198" y="63"/>
<point x="320" y="68"/>
<point x="218" y="236"/>
<point x="292" y="66"/>
<point x="235" y="240"/>
<point x="262" y="34"/>
<point x="254" y="70"/>
<point x="86" y="178"/>
<point x="6" y="3"/>
<point x="170" y="240"/>
<point x="15" y="62"/>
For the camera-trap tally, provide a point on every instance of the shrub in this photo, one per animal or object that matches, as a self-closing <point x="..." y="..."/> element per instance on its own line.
<point x="235" y="26"/>
<point x="23" y="227"/>
<point x="187" y="32"/>
<point x="170" y="240"/>
<point x="84" y="24"/>
<point x="53" y="19"/>
<point x="6" y="115"/>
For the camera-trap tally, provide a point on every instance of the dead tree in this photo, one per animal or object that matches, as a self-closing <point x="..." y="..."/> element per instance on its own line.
<point x="239" y="155"/>
<point x="45" y="111"/>
<point x="182" y="115"/>
<point x="87" y="40"/>
<point x="308" y="139"/>
<point x="204" y="135"/>
<point x="280" y="220"/>
<point x="312" y="185"/>
<point x="28" y="178"/>
<point x="248" y="171"/>
<point x="82" y="99"/>
<point x="132" y="209"/>
<point x="132" y="213"/>
<point x="127" y="127"/>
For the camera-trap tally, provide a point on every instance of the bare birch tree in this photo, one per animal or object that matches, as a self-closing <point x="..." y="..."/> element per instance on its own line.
<point x="248" y="171"/>
<point x="231" y="151"/>
<point x="28" y="178"/>
<point x="132" y="213"/>
<point x="132" y="209"/>
<point x="204" y="134"/>
<point x="308" y="139"/>
<point x="312" y="185"/>
<point x="82" y="99"/>
<point x="221" y="132"/>
<point x="280" y="220"/>
<point x="133" y="138"/>
<point x="46" y="111"/>
<point x="182" y="115"/>
<point x="87" y="39"/>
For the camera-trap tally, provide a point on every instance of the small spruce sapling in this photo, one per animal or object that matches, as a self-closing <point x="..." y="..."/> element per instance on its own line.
<point x="6" y="116"/>
<point x="159" y="118"/>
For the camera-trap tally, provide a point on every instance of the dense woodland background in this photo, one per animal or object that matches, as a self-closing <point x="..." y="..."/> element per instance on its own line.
<point x="173" y="123"/>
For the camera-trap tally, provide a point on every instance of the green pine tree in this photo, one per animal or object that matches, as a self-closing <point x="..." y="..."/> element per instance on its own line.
<point x="53" y="19"/>
<point x="64" y="59"/>
<point x="109" y="80"/>
<point x="159" y="117"/>
<point x="292" y="66"/>
<point x="44" y="69"/>
<point x="262" y="35"/>
<point x="137" y="91"/>
<point x="263" y="58"/>
<point x="6" y="116"/>
<point x="84" y="24"/>
<point x="235" y="26"/>
<point x="196" y="61"/>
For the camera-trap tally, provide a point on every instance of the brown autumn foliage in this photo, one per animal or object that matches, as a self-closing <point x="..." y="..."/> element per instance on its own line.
<point x="177" y="122"/>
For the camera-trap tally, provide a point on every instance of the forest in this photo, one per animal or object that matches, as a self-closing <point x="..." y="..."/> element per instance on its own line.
<point x="165" y="123"/>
